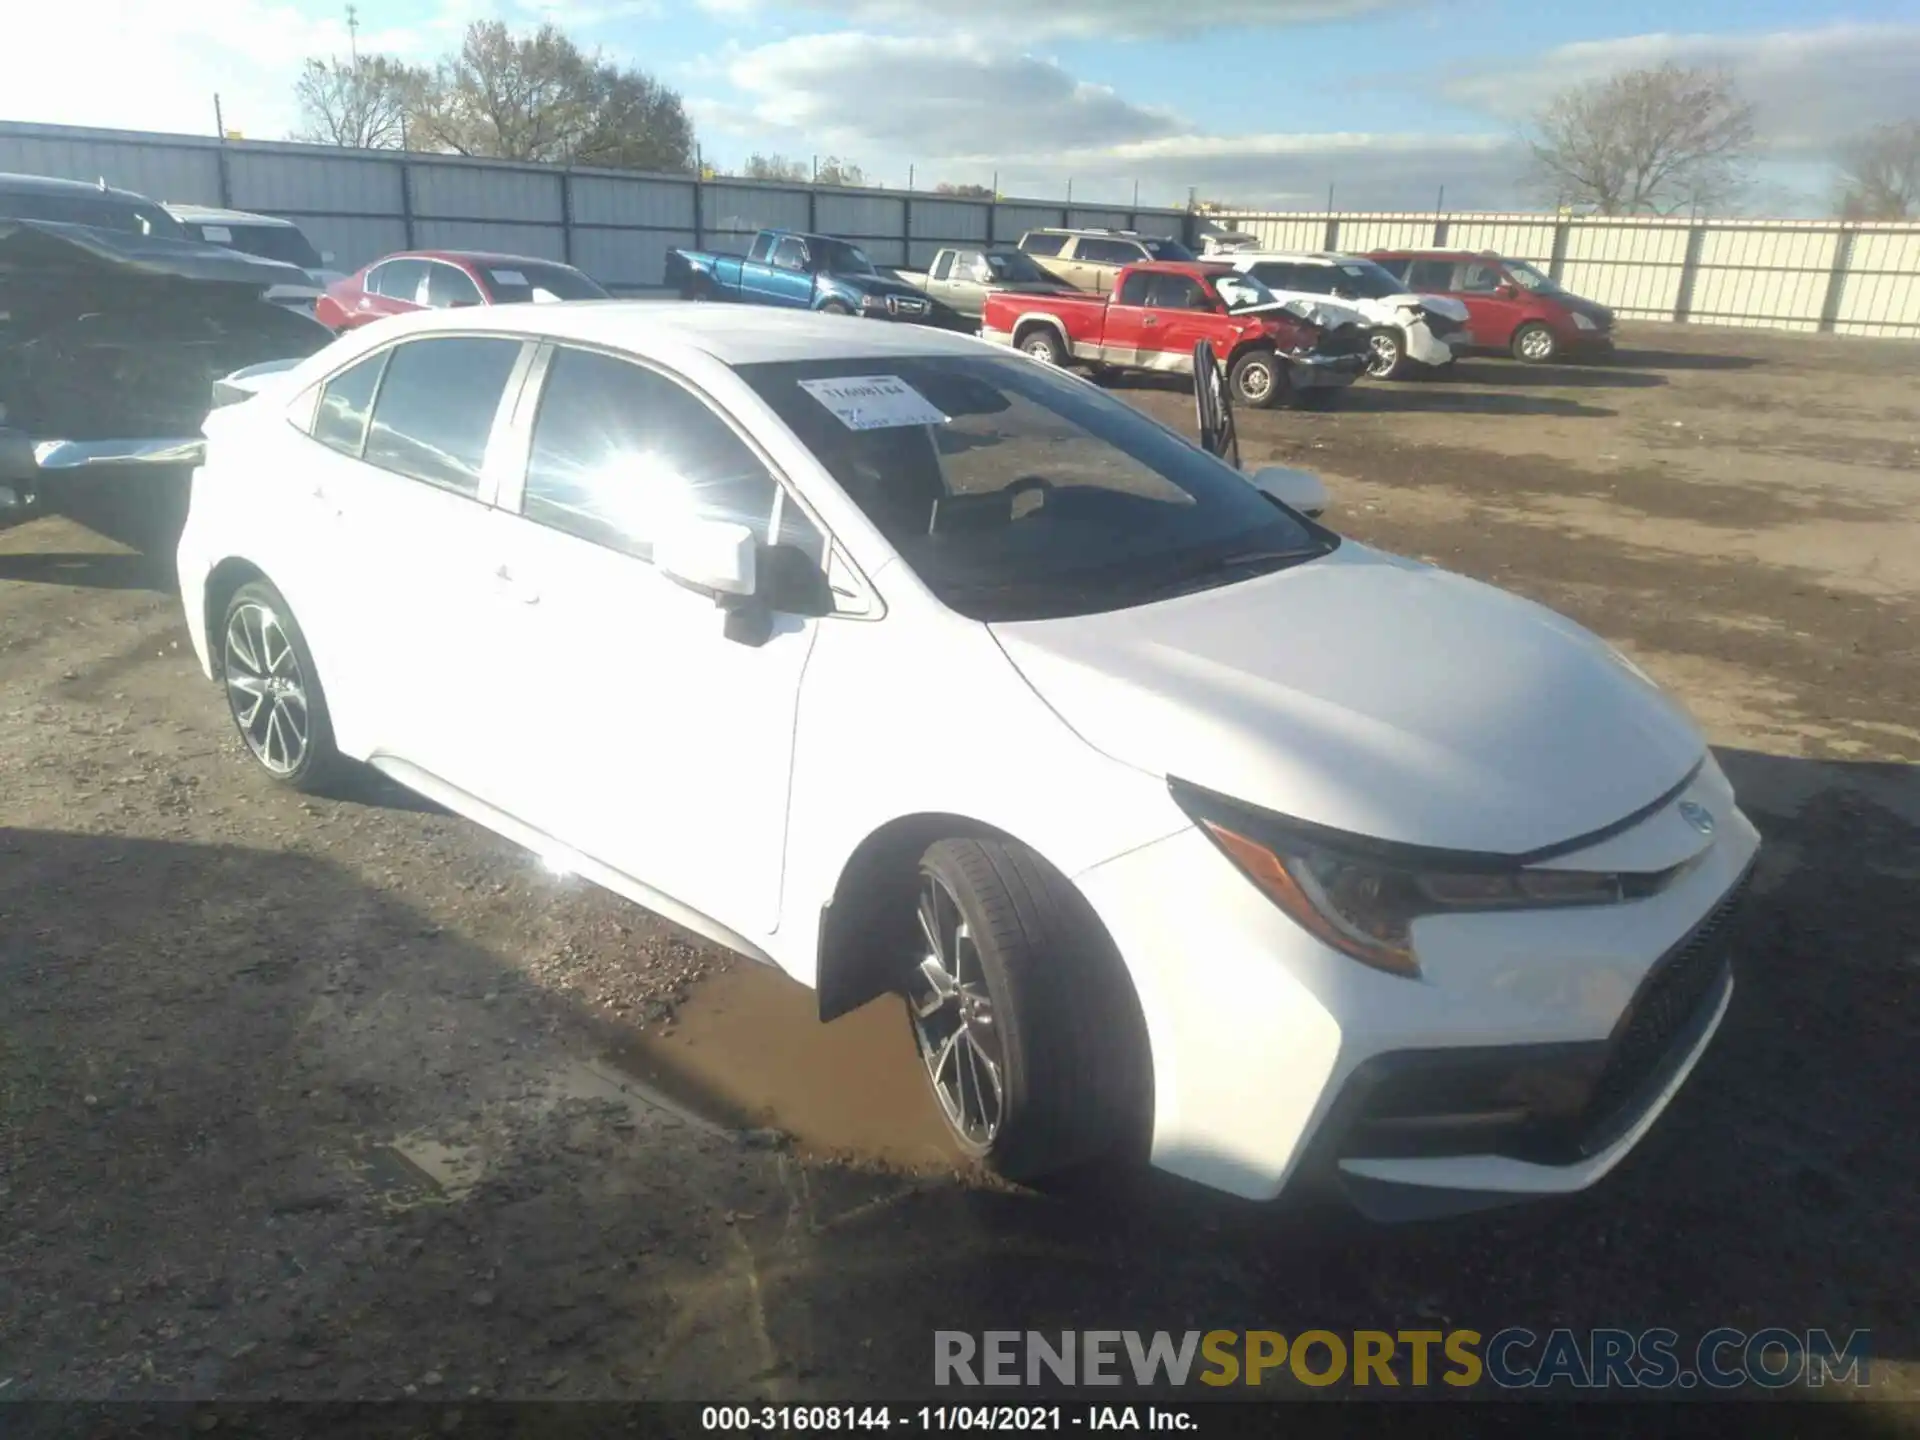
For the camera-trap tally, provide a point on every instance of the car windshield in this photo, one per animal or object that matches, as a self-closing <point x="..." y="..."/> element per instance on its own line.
<point x="1243" y="292"/>
<point x="1168" y="250"/>
<point x="1365" y="280"/>
<point x="102" y="211"/>
<point x="839" y="258"/>
<point x="525" y="280"/>
<point x="270" y="242"/>
<point x="1528" y="276"/>
<point x="1013" y="266"/>
<point x="1016" y="492"/>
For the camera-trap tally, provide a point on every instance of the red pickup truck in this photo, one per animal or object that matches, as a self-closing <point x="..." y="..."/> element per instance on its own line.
<point x="1159" y="312"/>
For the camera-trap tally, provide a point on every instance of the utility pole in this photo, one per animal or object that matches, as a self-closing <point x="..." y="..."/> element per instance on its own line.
<point x="909" y="177"/>
<point x="353" y="32"/>
<point x="219" y="121"/>
<point x="1440" y="205"/>
<point x="1329" y="197"/>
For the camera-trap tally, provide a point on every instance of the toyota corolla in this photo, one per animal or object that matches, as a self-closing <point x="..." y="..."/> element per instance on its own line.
<point x="1184" y="827"/>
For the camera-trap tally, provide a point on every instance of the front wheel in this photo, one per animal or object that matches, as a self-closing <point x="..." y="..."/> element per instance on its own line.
<point x="273" y="690"/>
<point x="835" y="307"/>
<point x="1534" y="344"/>
<point x="1386" y="355"/>
<point x="1257" y="379"/>
<point x="1023" y="1015"/>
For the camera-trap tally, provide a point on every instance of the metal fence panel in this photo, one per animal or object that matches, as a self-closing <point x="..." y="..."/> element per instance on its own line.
<point x="353" y="241"/>
<point x="952" y="222"/>
<point x="860" y="217"/>
<point x="1010" y="221"/>
<point x="611" y="200"/>
<point x="738" y="210"/>
<point x="627" y="259"/>
<point x="1361" y="233"/>
<point x="1522" y="238"/>
<point x="1099" y="219"/>
<point x="478" y="192"/>
<point x="321" y="184"/>
<point x="1881" y="291"/>
<point x="540" y="242"/>
<point x="181" y="171"/>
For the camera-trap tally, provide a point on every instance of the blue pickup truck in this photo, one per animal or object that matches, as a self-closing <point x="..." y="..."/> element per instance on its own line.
<point x="801" y="272"/>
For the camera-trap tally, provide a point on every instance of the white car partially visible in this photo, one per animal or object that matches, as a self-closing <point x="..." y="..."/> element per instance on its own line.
<point x="1185" y="827"/>
<point x="1408" y="332"/>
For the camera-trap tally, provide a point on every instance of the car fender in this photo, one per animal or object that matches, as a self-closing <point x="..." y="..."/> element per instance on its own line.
<point x="1040" y="317"/>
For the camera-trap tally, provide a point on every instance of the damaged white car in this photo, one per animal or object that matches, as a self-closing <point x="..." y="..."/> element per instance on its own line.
<point x="1409" y="333"/>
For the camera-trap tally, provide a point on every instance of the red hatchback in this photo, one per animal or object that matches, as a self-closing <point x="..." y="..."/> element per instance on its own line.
<point x="1511" y="306"/>
<point x="441" y="279"/>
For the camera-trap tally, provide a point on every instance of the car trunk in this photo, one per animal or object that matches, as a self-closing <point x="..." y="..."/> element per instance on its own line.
<point x="106" y="335"/>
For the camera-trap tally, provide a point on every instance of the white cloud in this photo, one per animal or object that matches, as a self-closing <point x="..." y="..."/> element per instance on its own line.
<point x="1810" y="87"/>
<point x="1112" y="19"/>
<point x="961" y="110"/>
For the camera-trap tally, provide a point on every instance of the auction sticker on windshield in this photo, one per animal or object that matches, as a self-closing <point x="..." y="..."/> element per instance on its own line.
<point x="508" y="277"/>
<point x="874" y="402"/>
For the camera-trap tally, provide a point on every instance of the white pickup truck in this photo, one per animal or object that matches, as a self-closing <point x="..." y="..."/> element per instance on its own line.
<point x="961" y="278"/>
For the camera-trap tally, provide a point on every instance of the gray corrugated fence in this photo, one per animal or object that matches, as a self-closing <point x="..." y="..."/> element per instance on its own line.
<point x="616" y="225"/>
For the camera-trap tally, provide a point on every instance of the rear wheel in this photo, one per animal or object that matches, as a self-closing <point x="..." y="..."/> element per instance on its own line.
<point x="273" y="690"/>
<point x="1257" y="379"/>
<point x="1043" y="345"/>
<point x="1534" y="344"/>
<point x="1025" y="1020"/>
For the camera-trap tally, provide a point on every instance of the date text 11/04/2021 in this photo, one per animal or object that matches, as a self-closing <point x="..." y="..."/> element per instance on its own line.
<point x="936" y="1418"/>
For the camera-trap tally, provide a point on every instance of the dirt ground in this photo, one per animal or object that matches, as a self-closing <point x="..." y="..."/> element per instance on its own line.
<point x="346" y="1098"/>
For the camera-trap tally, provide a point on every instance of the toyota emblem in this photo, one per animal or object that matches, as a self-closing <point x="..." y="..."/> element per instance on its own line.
<point x="1698" y="816"/>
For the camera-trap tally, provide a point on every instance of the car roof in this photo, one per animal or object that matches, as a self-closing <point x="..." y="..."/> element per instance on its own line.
<point x="1430" y="252"/>
<point x="732" y="334"/>
<point x="215" y="215"/>
<point x="51" y="185"/>
<point x="1182" y="267"/>
<point x="472" y="257"/>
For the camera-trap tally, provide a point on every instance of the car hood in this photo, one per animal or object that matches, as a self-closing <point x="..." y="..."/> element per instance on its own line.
<point x="1444" y="305"/>
<point x="1327" y="314"/>
<point x="49" y="246"/>
<point x="1599" y="314"/>
<point x="881" y="285"/>
<point x="1374" y="695"/>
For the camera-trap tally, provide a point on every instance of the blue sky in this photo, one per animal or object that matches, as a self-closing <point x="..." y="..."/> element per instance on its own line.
<point x="1261" y="101"/>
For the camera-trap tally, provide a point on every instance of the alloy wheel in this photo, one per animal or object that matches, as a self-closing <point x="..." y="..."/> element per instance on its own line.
<point x="266" y="689"/>
<point x="1256" y="383"/>
<point x="1383" y="353"/>
<point x="1536" y="344"/>
<point x="1040" y="349"/>
<point x="953" y="1021"/>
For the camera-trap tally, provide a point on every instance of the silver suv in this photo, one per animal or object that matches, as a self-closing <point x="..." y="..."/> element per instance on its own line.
<point x="1090" y="259"/>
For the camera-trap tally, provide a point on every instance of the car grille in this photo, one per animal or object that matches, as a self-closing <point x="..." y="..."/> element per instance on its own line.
<point x="905" y="306"/>
<point x="1647" y="1042"/>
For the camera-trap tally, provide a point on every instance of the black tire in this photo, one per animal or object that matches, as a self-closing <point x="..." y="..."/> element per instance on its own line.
<point x="1043" y="345"/>
<point x="697" y="290"/>
<point x="835" y="307"/>
<point x="1533" y="344"/>
<point x="1386" y="354"/>
<point x="1257" y="378"/>
<point x="1073" y="1063"/>
<point x="318" y="763"/>
<point x="1105" y="374"/>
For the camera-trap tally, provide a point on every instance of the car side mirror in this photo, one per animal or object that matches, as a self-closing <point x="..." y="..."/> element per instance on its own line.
<point x="710" y="557"/>
<point x="1300" y="490"/>
<point x="1506" y="290"/>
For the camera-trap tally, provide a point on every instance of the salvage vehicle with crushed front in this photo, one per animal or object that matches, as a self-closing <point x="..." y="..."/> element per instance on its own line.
<point x="1184" y="826"/>
<point x="114" y="326"/>
<point x="1158" y="312"/>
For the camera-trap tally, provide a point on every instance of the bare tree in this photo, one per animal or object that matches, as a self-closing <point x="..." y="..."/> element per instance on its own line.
<point x="363" y="102"/>
<point x="538" y="96"/>
<point x="833" y="170"/>
<point x="1644" y="141"/>
<point x="1880" y="173"/>
<point x="970" y="192"/>
<point x="775" y="167"/>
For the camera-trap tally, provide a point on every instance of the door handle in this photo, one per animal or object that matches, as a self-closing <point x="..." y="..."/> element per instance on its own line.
<point x="365" y="304"/>
<point x="1149" y="320"/>
<point x="320" y="497"/>
<point x="517" y="588"/>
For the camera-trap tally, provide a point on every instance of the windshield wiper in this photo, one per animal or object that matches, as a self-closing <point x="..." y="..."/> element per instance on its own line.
<point x="1225" y="569"/>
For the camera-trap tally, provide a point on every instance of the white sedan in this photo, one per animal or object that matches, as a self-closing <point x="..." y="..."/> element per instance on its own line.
<point x="1187" y="828"/>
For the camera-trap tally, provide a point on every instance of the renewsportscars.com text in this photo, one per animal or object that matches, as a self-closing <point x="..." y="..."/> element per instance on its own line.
<point x="1513" y="1358"/>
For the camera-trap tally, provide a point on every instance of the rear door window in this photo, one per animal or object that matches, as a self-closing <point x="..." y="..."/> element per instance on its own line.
<point x="448" y="285"/>
<point x="1043" y="244"/>
<point x="398" y="279"/>
<point x="436" y="406"/>
<point x="340" y="419"/>
<point x="1431" y="275"/>
<point x="1108" y="252"/>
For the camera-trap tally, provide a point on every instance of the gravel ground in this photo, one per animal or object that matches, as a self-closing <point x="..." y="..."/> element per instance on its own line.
<point x="344" y="1098"/>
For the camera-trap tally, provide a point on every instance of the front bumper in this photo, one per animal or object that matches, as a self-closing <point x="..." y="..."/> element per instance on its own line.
<point x="26" y="459"/>
<point x="1311" y="372"/>
<point x="905" y="309"/>
<point x="1528" y="1059"/>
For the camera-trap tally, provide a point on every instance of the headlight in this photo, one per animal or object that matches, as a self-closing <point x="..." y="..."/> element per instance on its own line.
<point x="1581" y="322"/>
<point x="1362" y="896"/>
